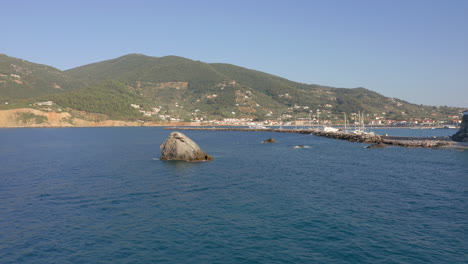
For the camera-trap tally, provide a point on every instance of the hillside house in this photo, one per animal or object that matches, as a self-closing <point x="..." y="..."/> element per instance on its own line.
<point x="375" y="122"/>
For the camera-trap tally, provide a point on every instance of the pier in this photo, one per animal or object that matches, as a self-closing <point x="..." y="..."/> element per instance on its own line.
<point x="362" y="137"/>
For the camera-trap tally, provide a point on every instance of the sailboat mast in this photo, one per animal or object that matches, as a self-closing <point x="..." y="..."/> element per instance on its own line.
<point x="363" y="124"/>
<point x="318" y="119"/>
<point x="345" y="125"/>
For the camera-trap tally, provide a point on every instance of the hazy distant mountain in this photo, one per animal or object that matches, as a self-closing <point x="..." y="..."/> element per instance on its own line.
<point x="185" y="89"/>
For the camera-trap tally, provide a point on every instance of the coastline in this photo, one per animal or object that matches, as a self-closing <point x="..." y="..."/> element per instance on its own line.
<point x="14" y="118"/>
<point x="33" y="118"/>
<point x="122" y="123"/>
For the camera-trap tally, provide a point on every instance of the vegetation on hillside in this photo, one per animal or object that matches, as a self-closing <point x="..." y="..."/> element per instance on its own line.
<point x="183" y="89"/>
<point x="30" y="117"/>
<point x="110" y="98"/>
<point x="23" y="79"/>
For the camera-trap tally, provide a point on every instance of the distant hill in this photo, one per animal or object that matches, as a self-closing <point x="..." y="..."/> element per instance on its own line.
<point x="24" y="79"/>
<point x="180" y="88"/>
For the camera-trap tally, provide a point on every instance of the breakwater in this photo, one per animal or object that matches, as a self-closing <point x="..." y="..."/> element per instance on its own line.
<point x="353" y="137"/>
<point x="424" y="142"/>
<point x="361" y="137"/>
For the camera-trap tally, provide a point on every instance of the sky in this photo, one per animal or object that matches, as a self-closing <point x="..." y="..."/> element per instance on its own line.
<point x="415" y="50"/>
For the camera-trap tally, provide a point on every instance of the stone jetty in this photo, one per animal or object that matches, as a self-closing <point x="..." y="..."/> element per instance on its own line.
<point x="416" y="143"/>
<point x="361" y="137"/>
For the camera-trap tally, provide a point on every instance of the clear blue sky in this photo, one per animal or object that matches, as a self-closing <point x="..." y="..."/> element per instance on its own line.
<point x="410" y="49"/>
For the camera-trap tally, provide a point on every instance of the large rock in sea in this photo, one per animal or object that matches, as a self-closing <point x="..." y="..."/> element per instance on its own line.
<point x="462" y="134"/>
<point x="180" y="147"/>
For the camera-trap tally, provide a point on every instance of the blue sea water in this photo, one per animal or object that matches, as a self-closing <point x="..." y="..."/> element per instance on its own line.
<point x="101" y="195"/>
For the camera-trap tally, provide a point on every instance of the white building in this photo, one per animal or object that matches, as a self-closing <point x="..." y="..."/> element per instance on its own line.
<point x="47" y="103"/>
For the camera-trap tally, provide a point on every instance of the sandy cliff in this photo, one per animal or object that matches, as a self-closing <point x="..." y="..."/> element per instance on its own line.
<point x="27" y="117"/>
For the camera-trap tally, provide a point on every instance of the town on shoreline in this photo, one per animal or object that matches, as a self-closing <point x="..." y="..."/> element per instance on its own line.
<point x="47" y="114"/>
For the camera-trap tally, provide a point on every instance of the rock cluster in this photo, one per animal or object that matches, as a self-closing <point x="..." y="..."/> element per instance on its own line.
<point x="180" y="147"/>
<point x="270" y="140"/>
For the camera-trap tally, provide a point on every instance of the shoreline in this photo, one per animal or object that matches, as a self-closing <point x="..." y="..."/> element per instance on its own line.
<point x="410" y="142"/>
<point x="35" y="118"/>
<point x="122" y="123"/>
<point x="360" y="137"/>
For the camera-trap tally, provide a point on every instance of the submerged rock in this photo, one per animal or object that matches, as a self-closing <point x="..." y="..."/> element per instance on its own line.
<point x="300" y="146"/>
<point x="378" y="145"/>
<point x="270" y="140"/>
<point x="180" y="147"/>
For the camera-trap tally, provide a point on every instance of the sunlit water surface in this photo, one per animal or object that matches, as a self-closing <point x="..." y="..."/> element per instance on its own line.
<point x="101" y="195"/>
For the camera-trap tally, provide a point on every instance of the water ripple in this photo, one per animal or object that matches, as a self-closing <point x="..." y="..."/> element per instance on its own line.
<point x="82" y="196"/>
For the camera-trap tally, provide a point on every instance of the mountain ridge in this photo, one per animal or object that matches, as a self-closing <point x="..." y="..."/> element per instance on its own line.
<point x="173" y="87"/>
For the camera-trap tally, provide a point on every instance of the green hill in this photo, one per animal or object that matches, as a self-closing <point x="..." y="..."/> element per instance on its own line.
<point x="110" y="98"/>
<point x="179" y="88"/>
<point x="23" y="79"/>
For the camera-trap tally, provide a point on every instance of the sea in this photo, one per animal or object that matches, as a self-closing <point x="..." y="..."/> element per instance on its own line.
<point x="101" y="195"/>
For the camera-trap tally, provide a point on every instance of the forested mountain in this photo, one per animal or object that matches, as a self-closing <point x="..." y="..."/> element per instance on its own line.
<point x="23" y="79"/>
<point x="175" y="87"/>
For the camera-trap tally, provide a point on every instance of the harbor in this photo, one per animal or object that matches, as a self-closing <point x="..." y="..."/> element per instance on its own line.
<point x="353" y="136"/>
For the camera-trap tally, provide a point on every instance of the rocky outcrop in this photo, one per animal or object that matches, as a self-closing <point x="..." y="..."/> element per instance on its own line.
<point x="180" y="147"/>
<point x="28" y="117"/>
<point x="377" y="145"/>
<point x="462" y="134"/>
<point x="270" y="140"/>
